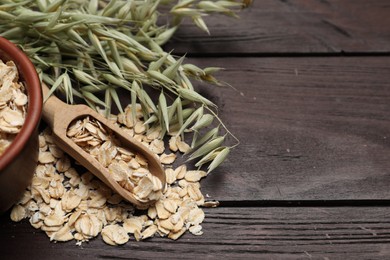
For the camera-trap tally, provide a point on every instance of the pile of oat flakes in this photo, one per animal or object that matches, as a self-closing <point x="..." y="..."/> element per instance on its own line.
<point x="71" y="205"/>
<point x="13" y="104"/>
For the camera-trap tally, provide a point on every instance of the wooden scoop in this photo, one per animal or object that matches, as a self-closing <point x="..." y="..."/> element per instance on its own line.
<point x="58" y="115"/>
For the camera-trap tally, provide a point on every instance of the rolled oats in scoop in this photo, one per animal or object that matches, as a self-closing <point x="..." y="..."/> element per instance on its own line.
<point x="13" y="104"/>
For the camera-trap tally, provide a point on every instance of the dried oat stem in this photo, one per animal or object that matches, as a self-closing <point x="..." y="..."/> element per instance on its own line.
<point x="90" y="49"/>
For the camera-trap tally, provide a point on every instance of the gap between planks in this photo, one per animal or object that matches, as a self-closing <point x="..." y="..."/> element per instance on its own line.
<point x="282" y="55"/>
<point x="304" y="203"/>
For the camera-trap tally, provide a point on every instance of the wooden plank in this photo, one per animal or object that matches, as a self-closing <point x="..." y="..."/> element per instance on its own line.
<point x="310" y="128"/>
<point x="292" y="26"/>
<point x="232" y="233"/>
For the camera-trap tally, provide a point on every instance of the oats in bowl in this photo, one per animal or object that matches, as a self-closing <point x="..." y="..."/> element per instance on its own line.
<point x="13" y="104"/>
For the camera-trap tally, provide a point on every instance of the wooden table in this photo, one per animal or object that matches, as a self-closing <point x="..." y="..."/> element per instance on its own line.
<point x="311" y="178"/>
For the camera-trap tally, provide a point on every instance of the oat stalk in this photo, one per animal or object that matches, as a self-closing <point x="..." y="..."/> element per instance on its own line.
<point x="90" y="50"/>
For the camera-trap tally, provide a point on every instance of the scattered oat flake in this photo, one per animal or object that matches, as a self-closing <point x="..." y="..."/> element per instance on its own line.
<point x="170" y="175"/>
<point x="176" y="235"/>
<point x="114" y="235"/>
<point x="18" y="213"/>
<point x="173" y="144"/>
<point x="211" y="204"/>
<point x="149" y="232"/>
<point x="183" y="147"/>
<point x="46" y="157"/>
<point x="167" y="158"/>
<point x="196" y="230"/>
<point x="63" y="234"/>
<point x="131" y="225"/>
<point x="194" y="176"/>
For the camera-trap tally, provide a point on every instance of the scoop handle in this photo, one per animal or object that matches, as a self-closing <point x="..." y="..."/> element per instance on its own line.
<point x="51" y="105"/>
<point x="57" y="114"/>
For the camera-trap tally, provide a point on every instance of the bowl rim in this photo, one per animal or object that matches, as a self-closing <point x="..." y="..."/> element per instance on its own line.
<point x="27" y="71"/>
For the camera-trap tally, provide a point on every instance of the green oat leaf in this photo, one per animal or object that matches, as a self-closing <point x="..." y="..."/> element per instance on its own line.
<point x="194" y="96"/>
<point x="204" y="121"/>
<point x="160" y="77"/>
<point x="115" y="97"/>
<point x="151" y="120"/>
<point x="198" y="20"/>
<point x="221" y="156"/>
<point x="207" y="136"/>
<point x="134" y="90"/>
<point x="54" y="5"/>
<point x="172" y="70"/>
<point x="98" y="46"/>
<point x="156" y="65"/>
<point x="208" y="157"/>
<point x="55" y="86"/>
<point x="108" y="102"/>
<point x="115" y="54"/>
<point x="194" y="116"/>
<point x="85" y="77"/>
<point x="162" y="103"/>
<point x="55" y="18"/>
<point x="68" y="88"/>
<point x="88" y="96"/>
<point x="207" y="147"/>
<point x="164" y="37"/>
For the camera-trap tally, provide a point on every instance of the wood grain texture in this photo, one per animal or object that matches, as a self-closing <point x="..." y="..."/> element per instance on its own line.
<point x="232" y="233"/>
<point x="310" y="128"/>
<point x="292" y="26"/>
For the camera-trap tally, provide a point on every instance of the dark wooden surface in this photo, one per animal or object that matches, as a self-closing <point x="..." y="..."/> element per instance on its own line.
<point x="311" y="128"/>
<point x="235" y="233"/>
<point x="311" y="107"/>
<point x="293" y="26"/>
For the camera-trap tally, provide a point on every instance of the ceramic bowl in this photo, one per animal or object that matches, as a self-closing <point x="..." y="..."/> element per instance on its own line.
<point x="19" y="160"/>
